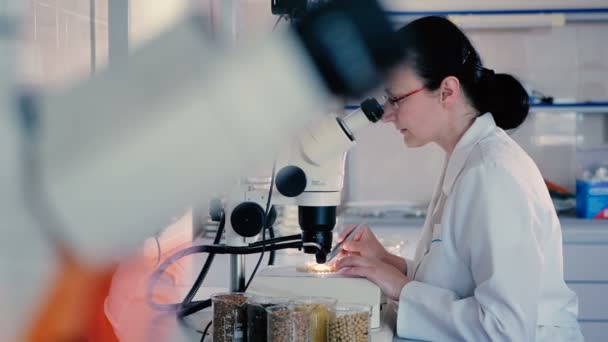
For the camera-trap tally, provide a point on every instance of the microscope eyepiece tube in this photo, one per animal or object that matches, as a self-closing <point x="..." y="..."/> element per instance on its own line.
<point x="369" y="112"/>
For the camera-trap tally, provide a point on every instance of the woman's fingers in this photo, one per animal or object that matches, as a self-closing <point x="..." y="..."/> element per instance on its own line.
<point x="353" y="261"/>
<point x="354" y="271"/>
<point x="355" y="266"/>
<point x="390" y="280"/>
<point x="352" y="246"/>
<point x="359" y="234"/>
<point x="346" y="231"/>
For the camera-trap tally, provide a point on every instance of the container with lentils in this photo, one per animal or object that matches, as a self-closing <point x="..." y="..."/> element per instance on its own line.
<point x="229" y="317"/>
<point x="256" y="316"/>
<point x="288" y="323"/>
<point x="349" y="322"/>
<point x="319" y="307"/>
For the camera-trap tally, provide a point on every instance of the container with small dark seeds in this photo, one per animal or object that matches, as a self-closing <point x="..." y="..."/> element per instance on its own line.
<point x="349" y="322"/>
<point x="256" y="316"/>
<point x="320" y="307"/>
<point x="229" y="317"/>
<point x="288" y="323"/>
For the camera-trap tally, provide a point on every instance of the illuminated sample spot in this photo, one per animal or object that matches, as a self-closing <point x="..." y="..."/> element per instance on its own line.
<point x="316" y="268"/>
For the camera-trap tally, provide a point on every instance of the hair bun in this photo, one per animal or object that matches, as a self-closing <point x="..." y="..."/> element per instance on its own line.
<point x="504" y="97"/>
<point x="487" y="75"/>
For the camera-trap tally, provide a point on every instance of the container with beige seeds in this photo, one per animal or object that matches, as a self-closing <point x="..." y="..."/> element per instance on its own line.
<point x="349" y="322"/>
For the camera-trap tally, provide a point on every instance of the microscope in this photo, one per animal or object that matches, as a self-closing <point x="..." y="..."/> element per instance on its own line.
<point x="311" y="177"/>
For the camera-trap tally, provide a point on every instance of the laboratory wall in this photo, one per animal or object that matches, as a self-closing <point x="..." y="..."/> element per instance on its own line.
<point x="61" y="46"/>
<point x="568" y="63"/>
<point x="58" y="46"/>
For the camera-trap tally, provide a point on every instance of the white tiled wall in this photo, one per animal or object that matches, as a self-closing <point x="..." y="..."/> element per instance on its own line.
<point x="148" y="17"/>
<point x="57" y="35"/>
<point x="565" y="62"/>
<point x="57" y="48"/>
<point x="381" y="168"/>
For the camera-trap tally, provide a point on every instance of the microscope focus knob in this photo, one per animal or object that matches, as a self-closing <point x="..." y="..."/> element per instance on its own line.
<point x="247" y="219"/>
<point x="216" y="209"/>
<point x="291" y="181"/>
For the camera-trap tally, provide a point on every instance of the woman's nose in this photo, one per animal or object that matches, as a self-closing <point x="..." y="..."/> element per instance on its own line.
<point x="389" y="114"/>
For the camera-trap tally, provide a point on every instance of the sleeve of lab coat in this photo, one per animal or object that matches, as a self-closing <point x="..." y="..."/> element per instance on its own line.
<point x="409" y="265"/>
<point x="492" y="232"/>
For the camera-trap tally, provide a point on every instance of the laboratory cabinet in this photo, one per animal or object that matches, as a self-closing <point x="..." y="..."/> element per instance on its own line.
<point x="586" y="273"/>
<point x="595" y="331"/>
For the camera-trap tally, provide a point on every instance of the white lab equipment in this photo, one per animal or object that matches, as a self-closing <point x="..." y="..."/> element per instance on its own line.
<point x="109" y="160"/>
<point x="310" y="175"/>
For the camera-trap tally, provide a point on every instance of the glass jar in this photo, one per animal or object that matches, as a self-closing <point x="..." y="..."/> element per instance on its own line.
<point x="288" y="323"/>
<point x="349" y="322"/>
<point x="257" y="316"/>
<point x="229" y="317"/>
<point x="319" y="307"/>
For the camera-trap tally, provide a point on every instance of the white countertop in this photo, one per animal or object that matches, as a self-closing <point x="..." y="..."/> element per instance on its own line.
<point x="574" y="230"/>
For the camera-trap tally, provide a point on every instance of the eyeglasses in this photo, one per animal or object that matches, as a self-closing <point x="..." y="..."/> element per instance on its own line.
<point x="394" y="101"/>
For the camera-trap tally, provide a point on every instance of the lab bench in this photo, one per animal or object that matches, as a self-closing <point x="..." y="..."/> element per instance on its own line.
<point x="585" y="256"/>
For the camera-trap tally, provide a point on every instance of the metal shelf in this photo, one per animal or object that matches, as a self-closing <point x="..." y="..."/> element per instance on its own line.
<point x="566" y="11"/>
<point x="490" y="17"/>
<point x="579" y="107"/>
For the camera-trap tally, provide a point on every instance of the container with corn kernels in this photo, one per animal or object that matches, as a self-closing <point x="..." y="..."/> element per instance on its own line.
<point x="319" y="307"/>
<point x="288" y="323"/>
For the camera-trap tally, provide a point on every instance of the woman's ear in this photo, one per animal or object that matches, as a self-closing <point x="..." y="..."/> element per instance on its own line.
<point x="449" y="90"/>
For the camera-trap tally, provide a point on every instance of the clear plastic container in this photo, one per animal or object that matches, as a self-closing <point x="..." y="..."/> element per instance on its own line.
<point x="349" y="322"/>
<point x="229" y="317"/>
<point x="257" y="316"/>
<point x="289" y="323"/>
<point x="319" y="307"/>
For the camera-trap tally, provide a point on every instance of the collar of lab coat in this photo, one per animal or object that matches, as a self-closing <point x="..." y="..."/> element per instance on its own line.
<point x="483" y="126"/>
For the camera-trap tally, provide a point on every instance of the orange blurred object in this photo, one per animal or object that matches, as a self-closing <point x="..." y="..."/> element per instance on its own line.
<point x="74" y="310"/>
<point x="557" y="188"/>
<point x="86" y="304"/>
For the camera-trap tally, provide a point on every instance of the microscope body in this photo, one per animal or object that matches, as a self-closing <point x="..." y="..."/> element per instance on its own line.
<point x="310" y="175"/>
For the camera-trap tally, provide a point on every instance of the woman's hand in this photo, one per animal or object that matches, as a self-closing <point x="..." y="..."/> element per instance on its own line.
<point x="390" y="279"/>
<point x="364" y="243"/>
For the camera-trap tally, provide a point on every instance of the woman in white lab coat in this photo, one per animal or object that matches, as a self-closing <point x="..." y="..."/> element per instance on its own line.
<point x="488" y="266"/>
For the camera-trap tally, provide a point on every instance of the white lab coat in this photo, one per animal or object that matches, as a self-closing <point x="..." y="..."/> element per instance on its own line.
<point x="489" y="263"/>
